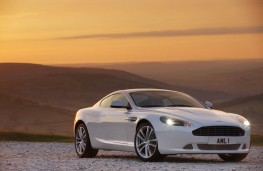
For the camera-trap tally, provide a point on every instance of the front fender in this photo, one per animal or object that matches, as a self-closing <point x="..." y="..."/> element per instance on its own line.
<point x="85" y="115"/>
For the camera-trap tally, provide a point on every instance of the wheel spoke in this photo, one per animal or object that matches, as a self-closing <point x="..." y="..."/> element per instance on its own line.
<point x="141" y="132"/>
<point x="83" y="131"/>
<point x="80" y="132"/>
<point x="150" y="133"/>
<point x="142" y="148"/>
<point x="139" y="136"/>
<point x="149" y="150"/>
<point x="77" y="147"/>
<point x="146" y="151"/>
<point x="82" y="147"/>
<point x="153" y="140"/>
<point x="153" y="145"/>
<point x="147" y="132"/>
<point x="143" y="143"/>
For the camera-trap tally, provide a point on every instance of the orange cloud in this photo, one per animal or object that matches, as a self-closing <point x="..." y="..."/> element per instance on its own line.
<point x="172" y="33"/>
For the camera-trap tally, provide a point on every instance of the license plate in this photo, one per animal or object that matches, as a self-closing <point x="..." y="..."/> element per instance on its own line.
<point x="221" y="140"/>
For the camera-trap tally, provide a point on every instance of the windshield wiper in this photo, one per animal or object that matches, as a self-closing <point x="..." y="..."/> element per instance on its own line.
<point x="178" y="105"/>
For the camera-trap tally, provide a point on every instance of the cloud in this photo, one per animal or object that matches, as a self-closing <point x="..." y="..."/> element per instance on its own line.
<point x="169" y="33"/>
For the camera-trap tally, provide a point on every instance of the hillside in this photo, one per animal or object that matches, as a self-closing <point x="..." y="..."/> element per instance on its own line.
<point x="73" y="88"/>
<point x="22" y="115"/>
<point x="43" y="99"/>
<point x="231" y="78"/>
<point x="68" y="88"/>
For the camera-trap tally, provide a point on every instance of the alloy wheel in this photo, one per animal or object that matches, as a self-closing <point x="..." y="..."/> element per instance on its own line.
<point x="81" y="140"/>
<point x="146" y="141"/>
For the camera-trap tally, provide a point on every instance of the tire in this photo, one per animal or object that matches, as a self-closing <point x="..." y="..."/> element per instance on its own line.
<point x="146" y="144"/>
<point x="82" y="143"/>
<point x="233" y="157"/>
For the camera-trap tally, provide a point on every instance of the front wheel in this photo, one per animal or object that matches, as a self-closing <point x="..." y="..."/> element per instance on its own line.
<point x="146" y="144"/>
<point x="233" y="157"/>
<point x="82" y="143"/>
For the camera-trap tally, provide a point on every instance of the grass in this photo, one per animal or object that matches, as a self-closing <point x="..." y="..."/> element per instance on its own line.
<point x="18" y="136"/>
<point x="257" y="140"/>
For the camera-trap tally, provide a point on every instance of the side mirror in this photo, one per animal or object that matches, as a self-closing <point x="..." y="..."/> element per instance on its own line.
<point x="117" y="104"/>
<point x="209" y="104"/>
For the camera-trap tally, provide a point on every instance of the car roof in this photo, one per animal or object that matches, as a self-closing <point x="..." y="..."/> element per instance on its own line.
<point x="141" y="89"/>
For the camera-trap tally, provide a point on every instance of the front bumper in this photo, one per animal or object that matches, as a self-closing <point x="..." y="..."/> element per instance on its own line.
<point x="179" y="140"/>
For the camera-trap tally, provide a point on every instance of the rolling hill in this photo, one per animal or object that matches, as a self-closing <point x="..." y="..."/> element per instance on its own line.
<point x="43" y="99"/>
<point x="230" y="78"/>
<point x="73" y="88"/>
<point x="22" y="115"/>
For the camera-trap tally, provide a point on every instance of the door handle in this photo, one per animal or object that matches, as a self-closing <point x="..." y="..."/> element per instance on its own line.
<point x="131" y="119"/>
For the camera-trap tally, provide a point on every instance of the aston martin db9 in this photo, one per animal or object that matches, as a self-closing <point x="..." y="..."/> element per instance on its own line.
<point x="155" y="123"/>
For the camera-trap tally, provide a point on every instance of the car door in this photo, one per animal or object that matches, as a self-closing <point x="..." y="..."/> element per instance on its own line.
<point x="113" y="124"/>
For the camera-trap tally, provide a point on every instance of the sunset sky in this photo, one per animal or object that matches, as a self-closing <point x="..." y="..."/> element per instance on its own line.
<point x="96" y="31"/>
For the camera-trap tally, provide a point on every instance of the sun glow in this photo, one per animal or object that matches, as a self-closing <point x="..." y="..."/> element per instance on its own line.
<point x="120" y="31"/>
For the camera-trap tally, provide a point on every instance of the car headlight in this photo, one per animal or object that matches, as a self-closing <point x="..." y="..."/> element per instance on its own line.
<point x="174" y="121"/>
<point x="243" y="121"/>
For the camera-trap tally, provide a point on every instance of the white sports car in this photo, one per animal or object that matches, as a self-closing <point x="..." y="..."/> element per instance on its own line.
<point x="155" y="123"/>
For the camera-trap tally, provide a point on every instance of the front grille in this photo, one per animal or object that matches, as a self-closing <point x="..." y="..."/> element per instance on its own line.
<point x="218" y="147"/>
<point x="219" y="131"/>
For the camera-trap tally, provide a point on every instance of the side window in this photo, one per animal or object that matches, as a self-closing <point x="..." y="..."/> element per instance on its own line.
<point x="106" y="102"/>
<point x="120" y="97"/>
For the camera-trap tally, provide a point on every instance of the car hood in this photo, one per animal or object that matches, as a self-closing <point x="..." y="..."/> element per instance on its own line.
<point x="202" y="116"/>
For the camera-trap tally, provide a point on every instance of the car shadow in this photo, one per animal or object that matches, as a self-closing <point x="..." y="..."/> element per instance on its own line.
<point x="182" y="159"/>
<point x="169" y="159"/>
<point x="109" y="156"/>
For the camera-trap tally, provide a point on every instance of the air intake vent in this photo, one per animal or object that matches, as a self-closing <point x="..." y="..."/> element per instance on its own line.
<point x="218" y="147"/>
<point x="219" y="131"/>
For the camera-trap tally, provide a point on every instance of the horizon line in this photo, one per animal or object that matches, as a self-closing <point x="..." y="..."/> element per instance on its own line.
<point x="133" y="62"/>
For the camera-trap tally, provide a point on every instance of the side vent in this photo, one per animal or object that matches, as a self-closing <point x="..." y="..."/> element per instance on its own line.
<point x="188" y="147"/>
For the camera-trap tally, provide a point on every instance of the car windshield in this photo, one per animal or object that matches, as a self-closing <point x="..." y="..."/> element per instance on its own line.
<point x="164" y="99"/>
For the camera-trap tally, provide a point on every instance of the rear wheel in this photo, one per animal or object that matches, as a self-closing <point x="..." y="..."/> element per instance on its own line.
<point x="233" y="157"/>
<point x="146" y="144"/>
<point x="82" y="143"/>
